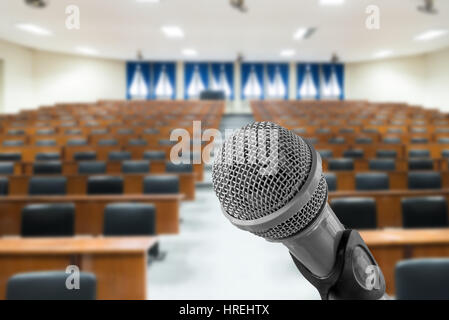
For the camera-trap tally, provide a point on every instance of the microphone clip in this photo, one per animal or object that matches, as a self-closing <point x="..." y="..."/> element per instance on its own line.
<point x="355" y="275"/>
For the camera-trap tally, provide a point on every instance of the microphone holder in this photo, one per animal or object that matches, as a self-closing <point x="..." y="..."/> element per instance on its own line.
<point x="355" y="275"/>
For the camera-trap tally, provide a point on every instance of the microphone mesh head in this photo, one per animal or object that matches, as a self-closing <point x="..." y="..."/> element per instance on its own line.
<point x="259" y="170"/>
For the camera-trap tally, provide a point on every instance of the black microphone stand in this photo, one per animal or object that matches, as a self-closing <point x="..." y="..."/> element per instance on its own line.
<point x="355" y="275"/>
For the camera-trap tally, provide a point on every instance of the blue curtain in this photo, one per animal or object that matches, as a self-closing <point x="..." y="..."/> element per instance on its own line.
<point x="170" y="70"/>
<point x="189" y="70"/>
<point x="340" y="73"/>
<point x="246" y="71"/>
<point x="131" y="68"/>
<point x="301" y="72"/>
<point x="228" y="67"/>
<point x="284" y="71"/>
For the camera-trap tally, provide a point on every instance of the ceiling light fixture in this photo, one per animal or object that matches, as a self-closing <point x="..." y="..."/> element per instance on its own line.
<point x="303" y="33"/>
<point x="87" y="51"/>
<point x="288" y="53"/>
<point x="173" y="31"/>
<point x="332" y="2"/>
<point x="189" y="52"/>
<point x="383" y="54"/>
<point x="430" y="35"/>
<point x="32" y="28"/>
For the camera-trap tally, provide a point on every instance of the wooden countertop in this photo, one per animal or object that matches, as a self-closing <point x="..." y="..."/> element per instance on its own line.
<point x="75" y="245"/>
<point x="398" y="237"/>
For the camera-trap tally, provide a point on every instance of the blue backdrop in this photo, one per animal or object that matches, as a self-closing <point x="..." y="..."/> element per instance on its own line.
<point x="228" y="67"/>
<point x="131" y="68"/>
<point x="169" y="68"/>
<point x="258" y="69"/>
<point x="189" y="73"/>
<point x="339" y="70"/>
<point x="284" y="73"/>
<point x="302" y="70"/>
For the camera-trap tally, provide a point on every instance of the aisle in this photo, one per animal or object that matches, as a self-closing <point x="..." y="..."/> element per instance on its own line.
<point x="211" y="259"/>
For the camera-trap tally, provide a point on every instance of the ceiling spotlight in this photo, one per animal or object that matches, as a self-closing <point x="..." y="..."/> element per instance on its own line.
<point x="239" y="5"/>
<point x="37" y="3"/>
<point x="303" y="33"/>
<point x="428" y="7"/>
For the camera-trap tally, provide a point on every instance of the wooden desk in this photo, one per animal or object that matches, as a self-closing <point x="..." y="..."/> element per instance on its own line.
<point x="391" y="246"/>
<point x="120" y="264"/>
<point x="388" y="202"/>
<point x="89" y="211"/>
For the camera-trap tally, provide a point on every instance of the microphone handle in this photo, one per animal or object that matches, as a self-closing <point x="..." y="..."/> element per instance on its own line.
<point x="355" y="275"/>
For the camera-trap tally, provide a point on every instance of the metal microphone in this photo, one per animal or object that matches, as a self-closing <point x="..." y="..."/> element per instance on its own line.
<point x="269" y="181"/>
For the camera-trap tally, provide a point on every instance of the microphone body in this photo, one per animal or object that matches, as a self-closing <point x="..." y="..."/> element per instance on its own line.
<point x="290" y="206"/>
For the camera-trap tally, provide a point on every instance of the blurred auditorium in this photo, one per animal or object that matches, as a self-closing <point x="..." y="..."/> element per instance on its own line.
<point x="109" y="114"/>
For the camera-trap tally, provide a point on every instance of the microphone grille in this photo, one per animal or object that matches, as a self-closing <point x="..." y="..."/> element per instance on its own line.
<point x="249" y="186"/>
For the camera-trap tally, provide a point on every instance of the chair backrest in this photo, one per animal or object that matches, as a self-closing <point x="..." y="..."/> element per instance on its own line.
<point x="137" y="142"/>
<point x="443" y="140"/>
<point x="445" y="153"/>
<point x="382" y="164"/>
<point x="151" y="131"/>
<point x="161" y="184"/>
<point x="92" y="167"/>
<point x="420" y="164"/>
<point x="422" y="279"/>
<point x="331" y="180"/>
<point x="47" y="156"/>
<point x="77" y="142"/>
<point x="424" y="180"/>
<point x="50" y="285"/>
<point x="178" y="168"/>
<point x="47" y="186"/>
<point x="45" y="132"/>
<point x="48" y="220"/>
<point x="47" y="167"/>
<point x="391" y="140"/>
<point x="419" y="153"/>
<point x="4" y="186"/>
<point x="124" y="131"/>
<point x="418" y="140"/>
<point x="364" y="140"/>
<point x="104" y="185"/>
<point x="386" y="153"/>
<point x="167" y="142"/>
<point x="16" y="132"/>
<point x="107" y="142"/>
<point x="154" y="155"/>
<point x="356" y="213"/>
<point x="372" y="181"/>
<point x="129" y="219"/>
<point x="140" y="166"/>
<point x="85" y="156"/>
<point x="119" y="155"/>
<point x="326" y="154"/>
<point x="46" y="143"/>
<point x="337" y="140"/>
<point x="424" y="212"/>
<point x="72" y="131"/>
<point x="13" y="143"/>
<point x="341" y="164"/>
<point x="353" y="153"/>
<point x="6" y="167"/>
<point x="10" y="156"/>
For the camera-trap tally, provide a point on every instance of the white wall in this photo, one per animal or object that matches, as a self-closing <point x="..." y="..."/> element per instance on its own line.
<point x="66" y="78"/>
<point x="1" y="85"/>
<point x="18" y="88"/>
<point x="419" y="80"/>
<point x="33" y="78"/>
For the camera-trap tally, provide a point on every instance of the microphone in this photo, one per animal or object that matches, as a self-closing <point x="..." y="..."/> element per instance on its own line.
<point x="269" y="181"/>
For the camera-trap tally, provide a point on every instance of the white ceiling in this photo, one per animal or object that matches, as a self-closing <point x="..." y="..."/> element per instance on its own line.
<point x="118" y="28"/>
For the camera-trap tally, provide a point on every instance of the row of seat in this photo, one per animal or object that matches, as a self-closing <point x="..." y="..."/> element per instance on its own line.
<point x="96" y="185"/>
<point x="419" y="212"/>
<point x="83" y="142"/>
<point x="58" y="220"/>
<point x="97" y="167"/>
<point x="380" y="153"/>
<point x="380" y="164"/>
<point x="371" y="181"/>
